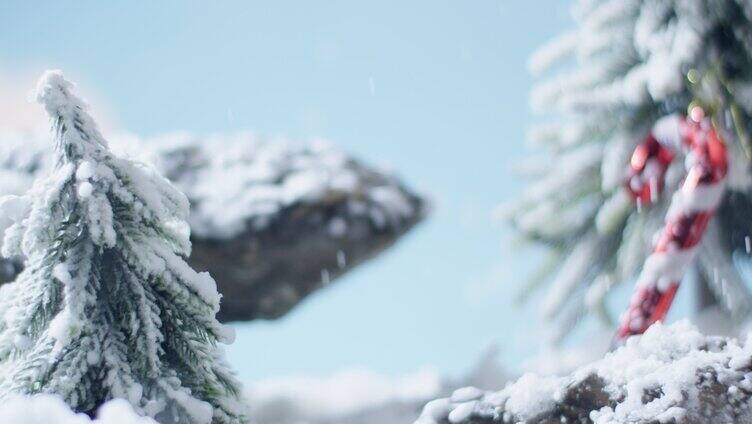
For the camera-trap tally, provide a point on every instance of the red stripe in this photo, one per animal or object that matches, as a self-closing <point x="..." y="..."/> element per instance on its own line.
<point x="649" y="304"/>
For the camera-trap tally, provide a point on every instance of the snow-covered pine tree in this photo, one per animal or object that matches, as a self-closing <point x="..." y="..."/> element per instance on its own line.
<point x="624" y="65"/>
<point x="107" y="307"/>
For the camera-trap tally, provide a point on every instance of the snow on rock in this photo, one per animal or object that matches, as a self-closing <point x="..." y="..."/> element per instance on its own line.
<point x="240" y="182"/>
<point x="670" y="374"/>
<point x="50" y="409"/>
<point x="21" y="154"/>
<point x="12" y="209"/>
<point x="234" y="181"/>
<point x="267" y="218"/>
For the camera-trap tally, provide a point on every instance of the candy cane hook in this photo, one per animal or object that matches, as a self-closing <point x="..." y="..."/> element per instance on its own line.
<point x="692" y="207"/>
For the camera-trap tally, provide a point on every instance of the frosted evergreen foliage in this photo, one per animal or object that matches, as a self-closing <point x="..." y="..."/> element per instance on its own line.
<point x="106" y="306"/>
<point x="603" y="85"/>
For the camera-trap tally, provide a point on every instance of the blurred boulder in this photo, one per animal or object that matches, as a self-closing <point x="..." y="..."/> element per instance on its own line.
<point x="272" y="221"/>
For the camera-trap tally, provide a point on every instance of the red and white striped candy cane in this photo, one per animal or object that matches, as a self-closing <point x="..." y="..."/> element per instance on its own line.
<point x="692" y="207"/>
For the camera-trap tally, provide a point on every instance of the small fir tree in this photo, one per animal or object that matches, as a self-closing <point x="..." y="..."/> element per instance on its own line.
<point x="107" y="307"/>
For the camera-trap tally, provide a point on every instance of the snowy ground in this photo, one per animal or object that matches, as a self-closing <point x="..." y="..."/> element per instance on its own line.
<point x="673" y="372"/>
<point x="49" y="409"/>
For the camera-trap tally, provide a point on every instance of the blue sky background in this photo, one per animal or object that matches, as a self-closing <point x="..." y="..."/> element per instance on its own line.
<point x="436" y="90"/>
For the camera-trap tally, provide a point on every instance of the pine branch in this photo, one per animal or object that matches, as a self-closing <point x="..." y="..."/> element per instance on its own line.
<point x="625" y="64"/>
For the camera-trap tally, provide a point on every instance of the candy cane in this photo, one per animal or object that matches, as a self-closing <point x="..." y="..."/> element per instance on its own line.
<point x="692" y="207"/>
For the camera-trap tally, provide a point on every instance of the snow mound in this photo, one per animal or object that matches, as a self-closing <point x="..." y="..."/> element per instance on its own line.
<point x="670" y="374"/>
<point x="50" y="409"/>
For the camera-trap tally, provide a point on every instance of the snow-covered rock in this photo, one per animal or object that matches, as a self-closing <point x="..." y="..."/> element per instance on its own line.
<point x="671" y="374"/>
<point x="271" y="220"/>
